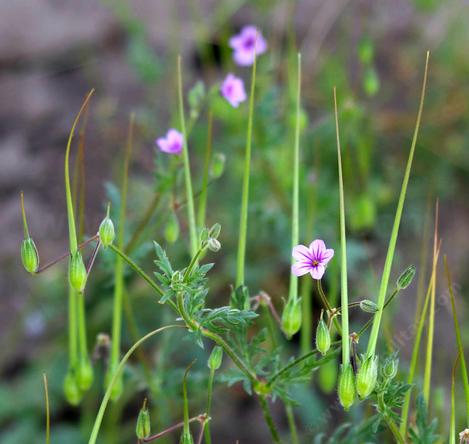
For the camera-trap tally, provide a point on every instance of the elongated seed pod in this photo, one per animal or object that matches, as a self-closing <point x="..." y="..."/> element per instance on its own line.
<point x="29" y="256"/>
<point x="367" y="376"/>
<point x="323" y="337"/>
<point x="346" y="390"/>
<point x="77" y="272"/>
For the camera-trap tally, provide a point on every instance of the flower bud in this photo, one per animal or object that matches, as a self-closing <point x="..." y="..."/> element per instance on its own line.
<point x="84" y="375"/>
<point x="71" y="391"/>
<point x="215" y="358"/>
<point x="213" y="245"/>
<point x="367" y="376"/>
<point x="77" y="272"/>
<point x="291" y="317"/>
<point x="171" y="231"/>
<point x="143" y="428"/>
<point x="323" y="337"/>
<point x="368" y="306"/>
<point x="346" y="388"/>
<point x="406" y="278"/>
<point x="29" y="256"/>
<point x="214" y="232"/>
<point x="106" y="230"/>
<point x="217" y="168"/>
<point x="390" y="367"/>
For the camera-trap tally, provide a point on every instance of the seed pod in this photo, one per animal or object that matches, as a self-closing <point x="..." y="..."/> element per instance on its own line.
<point x="71" y="391"/>
<point x="84" y="374"/>
<point x="171" y="231"/>
<point x="215" y="358"/>
<point x="390" y="367"/>
<point x="29" y="256"/>
<point x="371" y="81"/>
<point x="367" y="376"/>
<point x="406" y="277"/>
<point x="214" y="245"/>
<point x="186" y="438"/>
<point x="291" y="317"/>
<point x="143" y="428"/>
<point x="323" y="337"/>
<point x="368" y="306"/>
<point x="77" y="272"/>
<point x="346" y="388"/>
<point x="106" y="230"/>
<point x="217" y="168"/>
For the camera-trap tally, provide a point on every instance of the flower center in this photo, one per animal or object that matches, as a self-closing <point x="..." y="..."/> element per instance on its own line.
<point x="249" y="43"/>
<point x="315" y="263"/>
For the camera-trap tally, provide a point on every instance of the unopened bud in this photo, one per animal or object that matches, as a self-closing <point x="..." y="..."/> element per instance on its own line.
<point x="323" y="337"/>
<point x="406" y="277"/>
<point x="77" y="272"/>
<point x="71" y="391"/>
<point x="390" y="367"/>
<point x="368" y="306"/>
<point x="84" y="374"/>
<point x="346" y="388"/>
<point x="217" y="168"/>
<point x="106" y="230"/>
<point x="171" y="231"/>
<point x="213" y="245"/>
<point x="367" y="376"/>
<point x="29" y="256"/>
<point x="143" y="428"/>
<point x="215" y="358"/>
<point x="214" y="232"/>
<point x="291" y="317"/>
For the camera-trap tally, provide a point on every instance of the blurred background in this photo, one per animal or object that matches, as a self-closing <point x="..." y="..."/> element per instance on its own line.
<point x="52" y="52"/>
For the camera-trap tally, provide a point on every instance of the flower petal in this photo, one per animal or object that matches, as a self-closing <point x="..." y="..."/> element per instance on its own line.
<point x="317" y="247"/>
<point x="301" y="253"/>
<point x="300" y="268"/>
<point x="326" y="256"/>
<point x="317" y="272"/>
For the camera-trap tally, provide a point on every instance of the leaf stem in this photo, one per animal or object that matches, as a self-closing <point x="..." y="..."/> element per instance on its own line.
<point x="397" y="220"/>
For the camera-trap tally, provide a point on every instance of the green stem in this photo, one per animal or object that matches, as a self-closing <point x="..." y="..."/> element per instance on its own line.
<point x="269" y="420"/>
<point x="208" y="436"/>
<point x="394" y="429"/>
<point x="306" y="339"/>
<point x="119" y="264"/>
<point x="292" y="424"/>
<point x="25" y="222"/>
<point x="203" y="194"/>
<point x="327" y="306"/>
<point x="82" y="341"/>
<point x="186" y="400"/>
<point x="295" y="228"/>
<point x="115" y="376"/>
<point x="457" y="331"/>
<point x="395" y="229"/>
<point x="416" y="349"/>
<point x="243" y="222"/>
<point x="46" y="398"/>
<point x="343" y="249"/>
<point x="187" y="170"/>
<point x="452" y="420"/>
<point x="72" y="328"/>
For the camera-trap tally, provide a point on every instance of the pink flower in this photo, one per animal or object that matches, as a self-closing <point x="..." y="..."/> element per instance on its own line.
<point x="311" y="260"/>
<point x="232" y="89"/>
<point x="248" y="44"/>
<point x="172" y="143"/>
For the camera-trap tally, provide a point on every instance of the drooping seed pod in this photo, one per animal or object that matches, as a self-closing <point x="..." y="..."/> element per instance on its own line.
<point x="77" y="272"/>
<point x="71" y="390"/>
<point x="106" y="231"/>
<point x="406" y="277"/>
<point x="323" y="337"/>
<point x="215" y="358"/>
<point x="29" y="256"/>
<point x="368" y="306"/>
<point x="143" y="427"/>
<point x="346" y="389"/>
<point x="171" y="231"/>
<point x="85" y="374"/>
<point x="367" y="376"/>
<point x="217" y="167"/>
<point x="291" y="317"/>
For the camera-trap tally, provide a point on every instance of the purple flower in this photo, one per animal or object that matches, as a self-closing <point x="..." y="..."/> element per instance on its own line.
<point x="232" y="89"/>
<point x="172" y="143"/>
<point x="247" y="44"/>
<point x="311" y="260"/>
